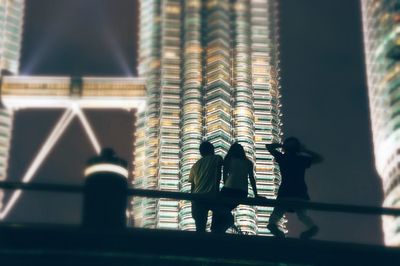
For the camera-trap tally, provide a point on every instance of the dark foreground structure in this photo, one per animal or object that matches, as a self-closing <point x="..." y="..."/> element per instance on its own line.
<point x="114" y="245"/>
<point x="62" y="245"/>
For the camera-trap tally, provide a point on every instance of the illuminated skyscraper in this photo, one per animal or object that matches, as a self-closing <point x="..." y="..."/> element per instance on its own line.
<point x="11" y="21"/>
<point x="6" y="120"/>
<point x="381" y="22"/>
<point x="212" y="74"/>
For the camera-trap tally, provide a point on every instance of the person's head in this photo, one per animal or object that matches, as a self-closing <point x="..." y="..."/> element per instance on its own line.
<point x="206" y="149"/>
<point x="236" y="151"/>
<point x="291" y="145"/>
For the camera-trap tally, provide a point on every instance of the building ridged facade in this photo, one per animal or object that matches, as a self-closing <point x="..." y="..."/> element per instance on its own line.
<point x="212" y="72"/>
<point x="6" y="125"/>
<point x="11" y="24"/>
<point x="381" y="24"/>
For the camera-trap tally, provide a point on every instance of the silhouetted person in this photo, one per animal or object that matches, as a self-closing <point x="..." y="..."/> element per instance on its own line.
<point x="204" y="177"/>
<point x="238" y="169"/>
<point x="293" y="163"/>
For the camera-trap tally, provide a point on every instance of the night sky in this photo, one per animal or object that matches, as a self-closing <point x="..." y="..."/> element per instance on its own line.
<point x="324" y="99"/>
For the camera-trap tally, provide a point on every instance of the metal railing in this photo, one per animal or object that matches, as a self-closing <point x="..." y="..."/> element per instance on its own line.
<point x="36" y="244"/>
<point x="295" y="204"/>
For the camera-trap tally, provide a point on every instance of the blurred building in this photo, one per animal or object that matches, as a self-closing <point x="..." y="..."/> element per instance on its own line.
<point x="11" y="21"/>
<point x="381" y="22"/>
<point x="212" y="73"/>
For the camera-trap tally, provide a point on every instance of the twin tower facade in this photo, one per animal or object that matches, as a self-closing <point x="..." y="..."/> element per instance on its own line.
<point x="211" y="73"/>
<point x="11" y="24"/>
<point x="211" y="70"/>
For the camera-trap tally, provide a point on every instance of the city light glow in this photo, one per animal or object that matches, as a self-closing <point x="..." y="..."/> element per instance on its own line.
<point x="220" y="84"/>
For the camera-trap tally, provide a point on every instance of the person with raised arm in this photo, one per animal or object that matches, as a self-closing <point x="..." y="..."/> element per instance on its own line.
<point x="293" y="160"/>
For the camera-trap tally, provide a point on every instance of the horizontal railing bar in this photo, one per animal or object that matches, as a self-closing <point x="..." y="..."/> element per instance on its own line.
<point x="285" y="203"/>
<point x="42" y="187"/>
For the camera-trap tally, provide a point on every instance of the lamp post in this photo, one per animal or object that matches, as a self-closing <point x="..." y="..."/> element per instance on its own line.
<point x="105" y="197"/>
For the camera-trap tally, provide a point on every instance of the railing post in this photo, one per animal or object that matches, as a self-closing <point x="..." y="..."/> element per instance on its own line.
<point x="105" y="192"/>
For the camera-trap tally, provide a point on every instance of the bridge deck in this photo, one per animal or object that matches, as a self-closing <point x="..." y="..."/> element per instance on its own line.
<point x="67" y="245"/>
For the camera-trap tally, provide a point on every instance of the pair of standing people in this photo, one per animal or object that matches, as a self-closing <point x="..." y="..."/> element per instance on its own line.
<point x="205" y="177"/>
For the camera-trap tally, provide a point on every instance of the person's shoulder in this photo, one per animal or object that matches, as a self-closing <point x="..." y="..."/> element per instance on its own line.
<point x="248" y="161"/>
<point x="217" y="157"/>
<point x="196" y="164"/>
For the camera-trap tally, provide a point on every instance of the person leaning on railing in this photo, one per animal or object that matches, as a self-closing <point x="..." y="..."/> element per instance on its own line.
<point x="237" y="171"/>
<point x="293" y="163"/>
<point x="205" y="176"/>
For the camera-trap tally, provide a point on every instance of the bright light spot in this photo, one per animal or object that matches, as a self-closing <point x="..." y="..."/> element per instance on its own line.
<point x="107" y="168"/>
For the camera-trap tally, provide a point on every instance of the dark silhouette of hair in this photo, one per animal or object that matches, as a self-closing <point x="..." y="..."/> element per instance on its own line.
<point x="291" y="145"/>
<point x="206" y="148"/>
<point x="235" y="151"/>
<point x="107" y="153"/>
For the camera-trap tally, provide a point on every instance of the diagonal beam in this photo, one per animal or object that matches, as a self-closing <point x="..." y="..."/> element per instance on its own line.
<point x="88" y="129"/>
<point x="51" y="140"/>
<point x="49" y="144"/>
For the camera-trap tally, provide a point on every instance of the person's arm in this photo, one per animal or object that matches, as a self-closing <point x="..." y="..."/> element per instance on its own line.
<point x="224" y="172"/>
<point x="218" y="178"/>
<point x="252" y="179"/>
<point x="191" y="179"/>
<point x="315" y="157"/>
<point x="272" y="148"/>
